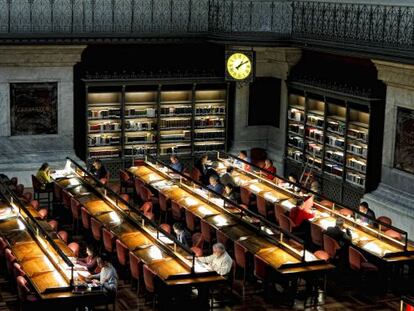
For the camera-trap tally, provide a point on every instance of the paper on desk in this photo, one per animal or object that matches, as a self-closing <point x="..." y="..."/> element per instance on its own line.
<point x="205" y="211"/>
<point x="326" y="223"/>
<point x="289" y="205"/>
<point x="373" y="247"/>
<point x="255" y="188"/>
<point x="270" y="197"/>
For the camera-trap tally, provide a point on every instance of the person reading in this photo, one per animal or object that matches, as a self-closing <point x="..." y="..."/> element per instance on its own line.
<point x="245" y="166"/>
<point x="231" y="193"/>
<point x="215" y="184"/>
<point x="99" y="170"/>
<point x="176" y="164"/>
<point x="227" y="177"/>
<point x="269" y="171"/>
<point x="220" y="261"/>
<point x="182" y="234"/>
<point x="44" y="177"/>
<point x="90" y="262"/>
<point x="368" y="215"/>
<point x="107" y="277"/>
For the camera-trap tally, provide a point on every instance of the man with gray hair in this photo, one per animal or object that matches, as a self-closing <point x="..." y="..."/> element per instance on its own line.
<point x="220" y="261"/>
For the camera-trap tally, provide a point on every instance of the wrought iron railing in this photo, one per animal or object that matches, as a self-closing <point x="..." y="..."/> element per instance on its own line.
<point x="364" y="24"/>
<point x="298" y="21"/>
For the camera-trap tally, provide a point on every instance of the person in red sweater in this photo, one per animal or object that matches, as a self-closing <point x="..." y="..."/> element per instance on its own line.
<point x="269" y="170"/>
<point x="301" y="212"/>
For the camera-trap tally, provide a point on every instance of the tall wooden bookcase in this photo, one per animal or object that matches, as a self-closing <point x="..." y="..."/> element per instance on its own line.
<point x="127" y="119"/>
<point x="340" y="135"/>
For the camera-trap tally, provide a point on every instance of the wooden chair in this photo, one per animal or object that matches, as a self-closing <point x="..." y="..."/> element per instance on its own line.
<point x="39" y="191"/>
<point x="126" y="181"/>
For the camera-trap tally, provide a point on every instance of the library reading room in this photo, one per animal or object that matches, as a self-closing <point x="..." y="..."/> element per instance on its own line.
<point x="207" y="155"/>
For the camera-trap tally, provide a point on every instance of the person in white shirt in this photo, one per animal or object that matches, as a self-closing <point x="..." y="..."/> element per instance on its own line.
<point x="220" y="261"/>
<point x="108" y="276"/>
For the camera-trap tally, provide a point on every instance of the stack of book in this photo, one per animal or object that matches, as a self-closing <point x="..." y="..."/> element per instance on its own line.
<point x="356" y="164"/>
<point x="296" y="115"/>
<point x="175" y="123"/>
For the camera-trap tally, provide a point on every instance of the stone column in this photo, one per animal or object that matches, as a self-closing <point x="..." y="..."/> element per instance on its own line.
<point x="270" y="62"/>
<point x="21" y="155"/>
<point x="394" y="197"/>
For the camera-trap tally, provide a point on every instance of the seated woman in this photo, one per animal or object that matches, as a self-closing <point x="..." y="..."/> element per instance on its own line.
<point x="90" y="261"/>
<point x="231" y="193"/>
<point x="43" y="176"/>
<point x="270" y="170"/>
<point x="301" y="213"/>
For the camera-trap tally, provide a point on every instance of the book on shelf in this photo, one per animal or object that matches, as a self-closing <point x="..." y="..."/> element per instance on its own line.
<point x="357" y="149"/>
<point x="356" y="164"/>
<point x="139" y="125"/>
<point x="143" y="112"/>
<point x="209" y="135"/>
<point x="209" y="122"/>
<point x="103" y="140"/>
<point x="165" y="111"/>
<point x="295" y="155"/>
<point x="104" y="127"/>
<point x="358" y="134"/>
<point x="314" y="149"/>
<point x="184" y="135"/>
<point x="334" y="141"/>
<point x="209" y="147"/>
<point x="148" y="137"/>
<point x="296" y="128"/>
<point x="317" y="163"/>
<point x="336" y="126"/>
<point x="296" y="115"/>
<point x="104" y="153"/>
<point x="337" y="156"/>
<point x="175" y="123"/>
<point x="315" y="121"/>
<point x="206" y="110"/>
<point x="177" y="149"/>
<point x="296" y="141"/>
<point x="334" y="169"/>
<point x="355" y="178"/>
<point x="315" y="134"/>
<point x="104" y="113"/>
<point x="140" y="151"/>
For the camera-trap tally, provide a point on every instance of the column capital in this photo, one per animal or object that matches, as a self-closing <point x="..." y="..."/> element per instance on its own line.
<point x="395" y="74"/>
<point x="40" y="55"/>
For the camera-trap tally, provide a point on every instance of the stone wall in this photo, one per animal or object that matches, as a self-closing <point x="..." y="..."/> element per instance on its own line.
<point x="21" y="155"/>
<point x="394" y="197"/>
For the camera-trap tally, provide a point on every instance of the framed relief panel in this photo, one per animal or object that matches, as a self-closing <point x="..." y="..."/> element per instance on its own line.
<point x="404" y="141"/>
<point x="33" y="109"/>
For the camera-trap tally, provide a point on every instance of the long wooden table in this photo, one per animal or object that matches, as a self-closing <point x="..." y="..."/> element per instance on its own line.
<point x="273" y="255"/>
<point x="363" y="236"/>
<point x="32" y="253"/>
<point x="169" y="269"/>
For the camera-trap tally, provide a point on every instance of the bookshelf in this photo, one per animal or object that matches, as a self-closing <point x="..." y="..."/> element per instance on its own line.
<point x="337" y="134"/>
<point x="128" y="119"/>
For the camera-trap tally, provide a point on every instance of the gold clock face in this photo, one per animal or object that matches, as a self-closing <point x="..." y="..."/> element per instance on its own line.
<point x="239" y="66"/>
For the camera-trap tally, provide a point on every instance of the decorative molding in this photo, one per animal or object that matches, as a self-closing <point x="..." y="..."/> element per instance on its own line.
<point x="395" y="74"/>
<point x="40" y="56"/>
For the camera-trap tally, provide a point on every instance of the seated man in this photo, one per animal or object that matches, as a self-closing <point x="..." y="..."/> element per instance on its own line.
<point x="366" y="211"/>
<point x="176" y="164"/>
<point x="98" y="169"/>
<point x="227" y="178"/>
<point x="183" y="235"/>
<point x="43" y="176"/>
<point x="215" y="184"/>
<point x="301" y="212"/>
<point x="220" y="261"/>
<point x="231" y="193"/>
<point x="108" y="277"/>
<point x="342" y="236"/>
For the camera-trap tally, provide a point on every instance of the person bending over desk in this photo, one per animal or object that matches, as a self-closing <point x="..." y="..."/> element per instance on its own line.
<point x="231" y="193"/>
<point x="108" y="277"/>
<point x="43" y="176"/>
<point x="215" y="184"/>
<point x="90" y="261"/>
<point x="342" y="236"/>
<point x="99" y="170"/>
<point x="220" y="261"/>
<point x="270" y="170"/>
<point x="365" y="210"/>
<point x="176" y="164"/>
<point x="227" y="178"/>
<point x="243" y="165"/>
<point x="183" y="235"/>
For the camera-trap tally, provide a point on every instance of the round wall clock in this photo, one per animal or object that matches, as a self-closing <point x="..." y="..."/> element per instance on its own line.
<point x="239" y="65"/>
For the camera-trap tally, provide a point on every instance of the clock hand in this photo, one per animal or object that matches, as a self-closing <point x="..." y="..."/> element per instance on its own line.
<point x="241" y="64"/>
